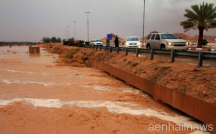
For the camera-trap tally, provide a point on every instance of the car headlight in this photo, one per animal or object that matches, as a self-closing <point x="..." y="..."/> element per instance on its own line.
<point x="138" y="43"/>
<point x="127" y="43"/>
<point x="169" y="43"/>
<point x="187" y="43"/>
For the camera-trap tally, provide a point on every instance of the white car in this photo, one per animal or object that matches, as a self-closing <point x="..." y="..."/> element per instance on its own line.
<point x="97" y="42"/>
<point x="165" y="41"/>
<point x="133" y="41"/>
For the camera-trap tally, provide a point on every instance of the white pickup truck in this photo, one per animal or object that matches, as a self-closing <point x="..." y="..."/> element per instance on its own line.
<point x="165" y="41"/>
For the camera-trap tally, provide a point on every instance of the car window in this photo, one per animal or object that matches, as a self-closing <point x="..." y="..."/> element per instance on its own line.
<point x="96" y="41"/>
<point x="157" y="37"/>
<point x="153" y="36"/>
<point x="149" y="36"/>
<point x="169" y="36"/>
<point x="132" y="39"/>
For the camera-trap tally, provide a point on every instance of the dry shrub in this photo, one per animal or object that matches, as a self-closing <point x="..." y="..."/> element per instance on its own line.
<point x="70" y="53"/>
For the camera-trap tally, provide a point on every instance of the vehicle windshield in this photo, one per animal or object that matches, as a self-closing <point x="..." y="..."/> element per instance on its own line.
<point x="132" y="39"/>
<point x="96" y="41"/>
<point x="169" y="36"/>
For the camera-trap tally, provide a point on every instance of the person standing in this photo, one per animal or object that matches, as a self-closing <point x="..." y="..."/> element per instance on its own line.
<point x="107" y="41"/>
<point x="116" y="41"/>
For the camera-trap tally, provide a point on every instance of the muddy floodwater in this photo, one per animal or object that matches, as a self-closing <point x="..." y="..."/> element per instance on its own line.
<point x="38" y="97"/>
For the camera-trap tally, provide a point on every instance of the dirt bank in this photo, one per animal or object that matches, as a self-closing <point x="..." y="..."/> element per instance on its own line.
<point x="196" y="82"/>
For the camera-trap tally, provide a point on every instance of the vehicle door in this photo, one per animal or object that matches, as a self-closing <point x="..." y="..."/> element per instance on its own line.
<point x="148" y="39"/>
<point x="157" y="42"/>
<point x="152" y="41"/>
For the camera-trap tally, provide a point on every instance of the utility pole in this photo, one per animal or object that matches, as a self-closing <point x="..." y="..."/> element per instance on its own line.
<point x="143" y="22"/>
<point x="68" y="32"/>
<point x="74" y="30"/>
<point x="88" y="24"/>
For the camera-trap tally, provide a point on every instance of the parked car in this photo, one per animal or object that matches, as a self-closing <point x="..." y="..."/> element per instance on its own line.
<point x="80" y="41"/>
<point x="97" y="42"/>
<point x="165" y="41"/>
<point x="132" y="41"/>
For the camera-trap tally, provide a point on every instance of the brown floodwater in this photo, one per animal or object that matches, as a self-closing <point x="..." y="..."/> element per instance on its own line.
<point x="38" y="97"/>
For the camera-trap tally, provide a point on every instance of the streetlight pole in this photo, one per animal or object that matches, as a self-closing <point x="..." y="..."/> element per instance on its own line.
<point x="143" y="22"/>
<point x="74" y="30"/>
<point x="65" y="34"/>
<point x="68" y="32"/>
<point x="88" y="24"/>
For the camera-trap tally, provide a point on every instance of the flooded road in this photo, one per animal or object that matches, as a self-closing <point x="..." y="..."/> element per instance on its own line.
<point x="38" y="97"/>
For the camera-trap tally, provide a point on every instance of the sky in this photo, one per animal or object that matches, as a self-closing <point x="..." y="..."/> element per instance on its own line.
<point x="31" y="20"/>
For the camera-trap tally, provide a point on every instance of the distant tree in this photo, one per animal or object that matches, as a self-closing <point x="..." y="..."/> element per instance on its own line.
<point x="53" y="39"/>
<point x="43" y="40"/>
<point x="203" y="17"/>
<point x="58" y="40"/>
<point x="46" y="40"/>
<point x="71" y="39"/>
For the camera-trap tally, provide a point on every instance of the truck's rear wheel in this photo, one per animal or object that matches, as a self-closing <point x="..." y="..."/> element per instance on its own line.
<point x="148" y="46"/>
<point x="162" y="47"/>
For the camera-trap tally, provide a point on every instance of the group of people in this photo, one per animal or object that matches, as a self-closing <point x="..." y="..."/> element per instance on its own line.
<point x="116" y="41"/>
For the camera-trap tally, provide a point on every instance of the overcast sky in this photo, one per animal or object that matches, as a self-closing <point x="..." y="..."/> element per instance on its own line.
<point x="31" y="20"/>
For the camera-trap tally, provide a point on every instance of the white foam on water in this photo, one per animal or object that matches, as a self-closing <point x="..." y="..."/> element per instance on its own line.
<point x="26" y="82"/>
<point x="44" y="74"/>
<point x="51" y="103"/>
<point x="131" y="90"/>
<point x="113" y="107"/>
<point x="128" y="91"/>
<point x="68" y="84"/>
<point x="145" y="95"/>
<point x="7" y="102"/>
<point x="135" y="91"/>
<point x="100" y="88"/>
<point x="127" y="88"/>
<point x="15" y="71"/>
